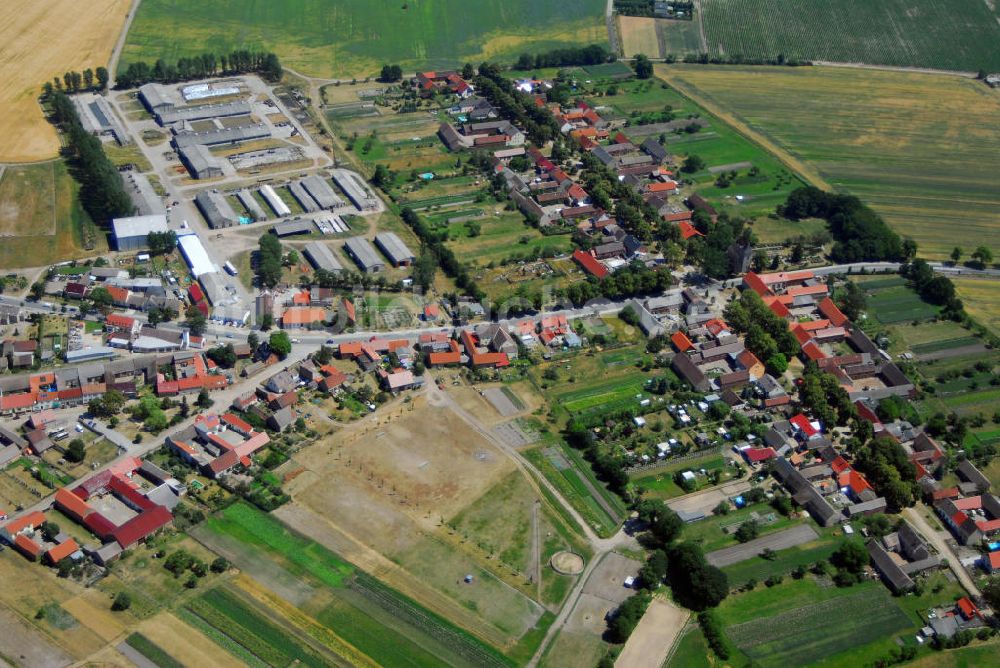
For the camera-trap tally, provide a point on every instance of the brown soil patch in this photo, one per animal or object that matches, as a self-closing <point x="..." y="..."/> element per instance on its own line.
<point x="185" y="643"/>
<point x="567" y="563"/>
<point x="655" y="635"/>
<point x="42" y="39"/>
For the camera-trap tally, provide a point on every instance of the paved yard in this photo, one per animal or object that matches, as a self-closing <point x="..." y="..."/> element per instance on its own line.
<point x="780" y="540"/>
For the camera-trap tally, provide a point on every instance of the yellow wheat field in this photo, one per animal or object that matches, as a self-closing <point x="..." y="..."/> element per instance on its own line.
<point x="41" y="39"/>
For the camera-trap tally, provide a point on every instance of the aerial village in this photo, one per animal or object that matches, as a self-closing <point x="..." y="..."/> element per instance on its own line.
<point x="114" y="416"/>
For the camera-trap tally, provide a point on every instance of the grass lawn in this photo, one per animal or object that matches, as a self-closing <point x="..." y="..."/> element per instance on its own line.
<point x="899" y="304"/>
<point x="873" y="133"/>
<point x="41" y="219"/>
<point x="981" y="300"/>
<point x="710" y="535"/>
<point x="691" y="651"/>
<point x="338" y="38"/>
<point x="659" y="483"/>
<point x="784" y="562"/>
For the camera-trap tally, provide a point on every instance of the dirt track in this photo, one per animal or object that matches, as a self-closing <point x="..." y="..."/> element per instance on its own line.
<point x="674" y="77"/>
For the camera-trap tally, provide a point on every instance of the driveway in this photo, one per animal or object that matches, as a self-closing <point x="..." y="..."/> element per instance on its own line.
<point x="939" y="540"/>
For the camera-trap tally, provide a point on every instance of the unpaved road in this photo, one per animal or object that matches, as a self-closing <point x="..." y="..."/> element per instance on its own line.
<point x="940" y="542"/>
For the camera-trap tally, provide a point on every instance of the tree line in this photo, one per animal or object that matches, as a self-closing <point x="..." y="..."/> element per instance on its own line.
<point x="75" y="82"/>
<point x="140" y="72"/>
<point x="450" y="265"/>
<point x="593" y="54"/>
<point x="860" y="234"/>
<point x="934" y="288"/>
<point x="102" y="192"/>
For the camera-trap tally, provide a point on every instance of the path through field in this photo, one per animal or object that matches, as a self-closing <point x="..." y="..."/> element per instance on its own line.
<point x="804" y="170"/>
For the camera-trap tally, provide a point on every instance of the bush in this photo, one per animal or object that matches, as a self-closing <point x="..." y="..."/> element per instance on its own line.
<point x="122" y="601"/>
<point x="712" y="630"/>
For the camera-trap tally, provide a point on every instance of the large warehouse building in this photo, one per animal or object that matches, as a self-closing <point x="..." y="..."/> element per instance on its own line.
<point x="195" y="255"/>
<point x="130" y="233"/>
<point x="364" y="254"/>
<point x="321" y="257"/>
<point x="395" y="249"/>
<point x="200" y="162"/>
<point x="216" y="209"/>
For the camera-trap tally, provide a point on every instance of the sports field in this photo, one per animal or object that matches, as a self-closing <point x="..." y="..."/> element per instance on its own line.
<point x="921" y="149"/>
<point x="943" y="34"/>
<point x="41" y="220"/>
<point x="346" y="38"/>
<point x="43" y="39"/>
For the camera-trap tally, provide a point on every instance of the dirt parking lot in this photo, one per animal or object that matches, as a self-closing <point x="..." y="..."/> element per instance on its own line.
<point x="706" y="501"/>
<point x="656" y="633"/>
<point x="780" y="540"/>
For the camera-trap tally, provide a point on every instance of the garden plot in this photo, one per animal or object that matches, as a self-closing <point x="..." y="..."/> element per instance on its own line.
<point x="817" y="631"/>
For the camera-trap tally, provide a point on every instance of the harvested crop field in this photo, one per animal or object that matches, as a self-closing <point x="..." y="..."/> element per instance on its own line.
<point x="43" y="39"/>
<point x="344" y="38"/>
<point x="981" y="299"/>
<point x="654" y="636"/>
<point x="639" y="36"/>
<point x="873" y="134"/>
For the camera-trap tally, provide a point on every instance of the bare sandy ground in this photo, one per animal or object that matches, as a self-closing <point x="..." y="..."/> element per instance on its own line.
<point x="656" y="633"/>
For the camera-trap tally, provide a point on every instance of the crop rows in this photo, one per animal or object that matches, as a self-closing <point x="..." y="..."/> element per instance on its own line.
<point x="152" y="651"/>
<point x="227" y="614"/>
<point x="407" y="612"/>
<point x="809" y="633"/>
<point x="945" y="34"/>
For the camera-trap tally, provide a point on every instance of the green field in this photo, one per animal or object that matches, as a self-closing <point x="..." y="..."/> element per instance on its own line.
<point x="659" y="482"/>
<point x="388" y="627"/>
<point x="944" y="34"/>
<point x="569" y="480"/>
<point x="231" y="615"/>
<point x="799" y="622"/>
<point x="152" y="651"/>
<point x="919" y="148"/>
<point x="41" y="219"/>
<point x="345" y="38"/>
<point x="899" y="304"/>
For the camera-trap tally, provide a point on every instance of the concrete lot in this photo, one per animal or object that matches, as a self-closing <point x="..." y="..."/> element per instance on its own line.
<point x="780" y="540"/>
